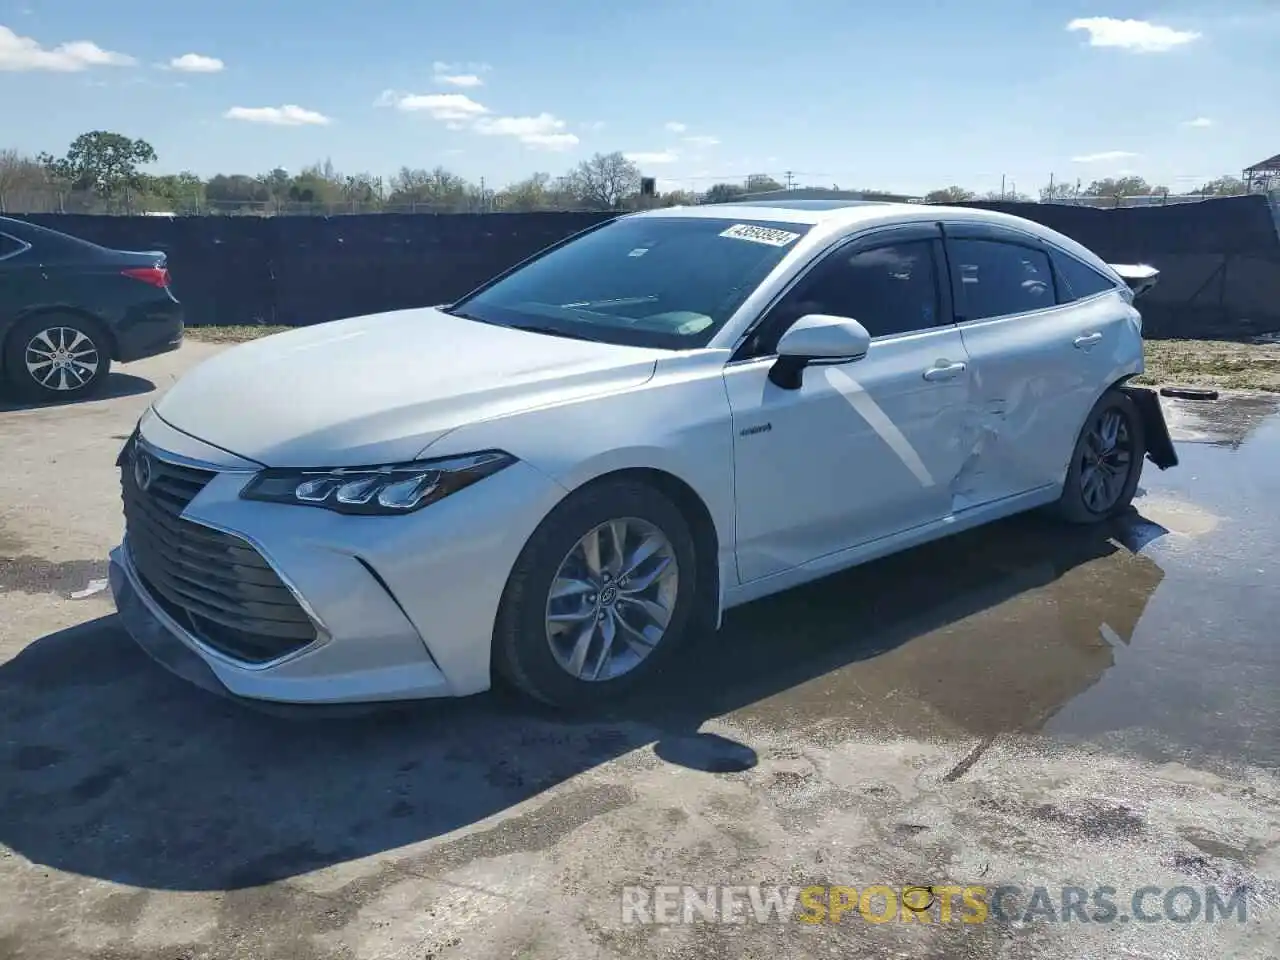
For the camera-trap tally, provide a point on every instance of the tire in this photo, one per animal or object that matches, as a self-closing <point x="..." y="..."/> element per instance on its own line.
<point x="1081" y="502"/>
<point x="55" y="356"/>
<point x="537" y="656"/>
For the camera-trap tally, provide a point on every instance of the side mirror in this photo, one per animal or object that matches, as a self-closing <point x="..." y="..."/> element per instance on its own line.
<point x="817" y="338"/>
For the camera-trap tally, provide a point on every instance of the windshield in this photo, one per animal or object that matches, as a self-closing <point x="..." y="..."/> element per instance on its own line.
<point x="642" y="281"/>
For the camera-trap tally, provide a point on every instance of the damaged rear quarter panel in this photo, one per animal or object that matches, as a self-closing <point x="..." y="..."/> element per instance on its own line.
<point x="1033" y="384"/>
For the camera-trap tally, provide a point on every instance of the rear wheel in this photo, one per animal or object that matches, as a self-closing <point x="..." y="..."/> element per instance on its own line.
<point x="600" y="596"/>
<point x="55" y="357"/>
<point x="1106" y="463"/>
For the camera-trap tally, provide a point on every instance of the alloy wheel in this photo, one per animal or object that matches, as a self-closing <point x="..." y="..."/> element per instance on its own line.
<point x="1107" y="459"/>
<point x="62" y="359"/>
<point x="612" y="599"/>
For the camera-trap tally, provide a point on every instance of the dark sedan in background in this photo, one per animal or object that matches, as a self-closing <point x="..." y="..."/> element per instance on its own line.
<point x="69" y="307"/>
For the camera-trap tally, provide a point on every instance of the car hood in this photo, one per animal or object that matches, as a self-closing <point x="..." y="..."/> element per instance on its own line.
<point x="381" y="388"/>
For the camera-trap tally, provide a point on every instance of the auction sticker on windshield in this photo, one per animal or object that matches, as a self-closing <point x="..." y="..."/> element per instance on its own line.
<point x="768" y="235"/>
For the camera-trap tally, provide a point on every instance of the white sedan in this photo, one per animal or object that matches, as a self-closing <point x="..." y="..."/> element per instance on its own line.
<point x="562" y="476"/>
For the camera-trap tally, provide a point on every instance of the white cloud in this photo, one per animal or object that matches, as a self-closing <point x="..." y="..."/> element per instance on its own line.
<point x="459" y="74"/>
<point x="440" y="106"/>
<point x="459" y="79"/>
<point x="290" y="115"/>
<point x="457" y="111"/>
<point x="22" y="53"/>
<point x="196" y="63"/>
<point x="702" y="140"/>
<point x="1199" y="123"/>
<point x="1137" y="35"/>
<point x="675" y="127"/>
<point x="544" y="131"/>
<point x="550" y="141"/>
<point x="594" y="125"/>
<point x="662" y="156"/>
<point x="1103" y="157"/>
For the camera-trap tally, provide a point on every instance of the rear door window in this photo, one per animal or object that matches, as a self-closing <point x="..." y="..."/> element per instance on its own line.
<point x="996" y="279"/>
<point x="1076" y="280"/>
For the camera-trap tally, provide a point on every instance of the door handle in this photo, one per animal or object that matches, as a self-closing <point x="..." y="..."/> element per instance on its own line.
<point x="944" y="371"/>
<point x="1088" y="340"/>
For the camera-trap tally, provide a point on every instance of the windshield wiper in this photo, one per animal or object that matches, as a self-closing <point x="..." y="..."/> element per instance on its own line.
<point x="551" y="331"/>
<point x="463" y="315"/>
<point x="453" y="311"/>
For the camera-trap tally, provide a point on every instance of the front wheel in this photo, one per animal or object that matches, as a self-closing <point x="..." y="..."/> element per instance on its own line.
<point x="600" y="596"/>
<point x="55" y="357"/>
<point x="1106" y="463"/>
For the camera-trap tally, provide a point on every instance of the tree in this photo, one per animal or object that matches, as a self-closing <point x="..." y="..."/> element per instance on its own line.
<point x="236" y="190"/>
<point x="724" y="193"/>
<point x="604" y="180"/>
<point x="1009" y="196"/>
<point x="438" y="189"/>
<point x="318" y="183"/>
<point x="762" y="183"/>
<point x="1127" y="186"/>
<point x="362" y="189"/>
<point x="562" y="194"/>
<point x="21" y="178"/>
<point x="677" y="198"/>
<point x="1227" y="186"/>
<point x="277" y="182"/>
<point x="180" y="192"/>
<point x="532" y="193"/>
<point x="949" y="195"/>
<point x="1061" y="190"/>
<point x="106" y="163"/>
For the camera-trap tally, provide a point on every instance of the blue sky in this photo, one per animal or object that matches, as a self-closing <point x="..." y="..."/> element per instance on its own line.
<point x="907" y="95"/>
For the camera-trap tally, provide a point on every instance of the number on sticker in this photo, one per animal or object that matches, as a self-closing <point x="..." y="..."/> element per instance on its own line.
<point x="768" y="235"/>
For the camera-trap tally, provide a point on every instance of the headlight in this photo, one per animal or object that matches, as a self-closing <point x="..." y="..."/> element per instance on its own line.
<point x="375" y="491"/>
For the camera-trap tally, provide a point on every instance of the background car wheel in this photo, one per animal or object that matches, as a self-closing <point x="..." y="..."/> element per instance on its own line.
<point x="600" y="597"/>
<point x="55" y="357"/>
<point x="1106" y="463"/>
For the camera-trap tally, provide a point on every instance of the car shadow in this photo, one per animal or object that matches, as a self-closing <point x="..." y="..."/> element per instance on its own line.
<point x="116" y="770"/>
<point x="117" y="385"/>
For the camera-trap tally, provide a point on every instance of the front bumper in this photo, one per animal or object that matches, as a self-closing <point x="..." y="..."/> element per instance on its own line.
<point x="404" y="607"/>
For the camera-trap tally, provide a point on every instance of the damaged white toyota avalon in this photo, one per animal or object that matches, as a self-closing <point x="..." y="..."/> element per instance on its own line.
<point x="559" y="478"/>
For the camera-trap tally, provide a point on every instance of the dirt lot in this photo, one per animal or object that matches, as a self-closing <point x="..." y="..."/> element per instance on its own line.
<point x="1214" y="363"/>
<point x="1023" y="706"/>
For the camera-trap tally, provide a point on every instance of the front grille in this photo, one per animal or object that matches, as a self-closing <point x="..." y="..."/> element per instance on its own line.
<point x="210" y="582"/>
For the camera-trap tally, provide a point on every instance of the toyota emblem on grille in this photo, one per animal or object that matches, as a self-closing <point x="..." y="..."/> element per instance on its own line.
<point x="143" y="469"/>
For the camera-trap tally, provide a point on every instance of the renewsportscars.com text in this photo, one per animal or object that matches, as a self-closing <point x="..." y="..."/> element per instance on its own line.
<point x="937" y="903"/>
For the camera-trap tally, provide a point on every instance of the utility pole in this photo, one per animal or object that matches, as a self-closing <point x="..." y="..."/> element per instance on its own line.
<point x="1002" y="186"/>
<point x="790" y="180"/>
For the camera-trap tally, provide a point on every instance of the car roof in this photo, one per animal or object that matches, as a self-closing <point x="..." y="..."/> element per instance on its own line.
<point x="782" y="211"/>
<point x="47" y="238"/>
<point x="837" y="217"/>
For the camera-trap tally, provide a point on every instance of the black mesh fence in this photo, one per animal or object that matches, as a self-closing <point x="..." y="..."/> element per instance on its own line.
<point x="302" y="270"/>
<point x="1219" y="260"/>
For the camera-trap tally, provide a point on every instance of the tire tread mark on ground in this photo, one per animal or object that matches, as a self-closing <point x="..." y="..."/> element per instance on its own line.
<point x="972" y="757"/>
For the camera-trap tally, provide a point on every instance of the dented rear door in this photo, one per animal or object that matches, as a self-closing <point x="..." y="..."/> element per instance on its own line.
<point x="1036" y="363"/>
